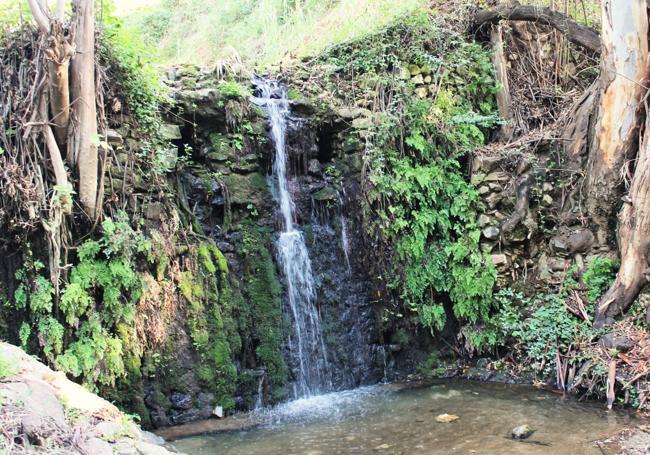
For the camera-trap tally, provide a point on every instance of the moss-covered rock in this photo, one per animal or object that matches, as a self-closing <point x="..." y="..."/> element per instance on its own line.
<point x="246" y="189"/>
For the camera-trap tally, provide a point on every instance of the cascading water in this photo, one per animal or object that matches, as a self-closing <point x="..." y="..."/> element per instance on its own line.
<point x="306" y="344"/>
<point x="344" y="233"/>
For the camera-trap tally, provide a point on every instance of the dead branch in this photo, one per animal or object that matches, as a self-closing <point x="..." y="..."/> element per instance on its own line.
<point x="578" y="34"/>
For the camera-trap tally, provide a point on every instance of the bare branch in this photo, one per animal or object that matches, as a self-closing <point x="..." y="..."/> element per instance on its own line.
<point x="578" y="34"/>
<point x="40" y="16"/>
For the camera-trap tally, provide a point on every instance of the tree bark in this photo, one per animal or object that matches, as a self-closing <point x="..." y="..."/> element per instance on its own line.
<point x="85" y="138"/>
<point x="624" y="63"/>
<point x="576" y="33"/>
<point x="634" y="241"/>
<point x="503" y="94"/>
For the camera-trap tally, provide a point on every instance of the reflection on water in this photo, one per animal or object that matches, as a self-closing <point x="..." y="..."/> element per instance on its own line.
<point x="380" y="420"/>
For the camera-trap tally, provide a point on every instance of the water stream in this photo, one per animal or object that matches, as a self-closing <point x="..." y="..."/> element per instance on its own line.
<point x="380" y="419"/>
<point x="306" y="343"/>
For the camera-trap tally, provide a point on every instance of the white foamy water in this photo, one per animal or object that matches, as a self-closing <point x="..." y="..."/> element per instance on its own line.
<point x="306" y="343"/>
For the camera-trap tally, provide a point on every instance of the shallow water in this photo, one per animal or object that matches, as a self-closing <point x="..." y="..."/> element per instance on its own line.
<point x="380" y="419"/>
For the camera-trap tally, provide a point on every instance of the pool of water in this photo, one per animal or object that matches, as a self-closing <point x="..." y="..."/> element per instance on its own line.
<point x="384" y="419"/>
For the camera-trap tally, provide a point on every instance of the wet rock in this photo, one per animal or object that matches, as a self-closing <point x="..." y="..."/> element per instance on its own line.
<point x="491" y="232"/>
<point x="178" y="417"/>
<point x="181" y="400"/>
<point x="314" y="168"/>
<point x="521" y="432"/>
<point x="246" y="189"/>
<point x="327" y="194"/>
<point x="446" y="418"/>
<point x="303" y="107"/>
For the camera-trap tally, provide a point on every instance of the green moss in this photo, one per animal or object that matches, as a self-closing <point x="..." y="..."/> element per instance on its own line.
<point x="211" y="324"/>
<point x="294" y="95"/>
<point x="264" y="291"/>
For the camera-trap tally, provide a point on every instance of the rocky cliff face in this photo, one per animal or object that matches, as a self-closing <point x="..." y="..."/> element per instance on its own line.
<point x="225" y="156"/>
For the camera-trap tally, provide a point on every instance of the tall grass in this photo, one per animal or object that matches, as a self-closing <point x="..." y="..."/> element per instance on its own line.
<point x="260" y="32"/>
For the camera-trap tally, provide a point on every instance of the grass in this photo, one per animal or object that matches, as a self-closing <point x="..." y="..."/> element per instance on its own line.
<point x="7" y="369"/>
<point x="257" y="32"/>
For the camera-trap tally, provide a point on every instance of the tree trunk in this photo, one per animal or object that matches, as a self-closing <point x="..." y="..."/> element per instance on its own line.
<point x="58" y="55"/>
<point x="503" y="94"/>
<point x="634" y="241"/>
<point x="624" y="61"/>
<point x="86" y="139"/>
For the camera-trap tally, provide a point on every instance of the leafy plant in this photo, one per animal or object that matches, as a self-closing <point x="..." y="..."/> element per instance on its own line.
<point x="79" y="335"/>
<point x="423" y="207"/>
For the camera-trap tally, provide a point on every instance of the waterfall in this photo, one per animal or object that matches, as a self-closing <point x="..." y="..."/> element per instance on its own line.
<point x="344" y="233"/>
<point x="306" y="343"/>
<point x="259" y="401"/>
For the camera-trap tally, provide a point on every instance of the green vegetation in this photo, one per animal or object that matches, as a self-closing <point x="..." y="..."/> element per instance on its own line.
<point x="79" y="334"/>
<point x="258" y="32"/>
<point x="7" y="369"/>
<point x="264" y="293"/>
<point x="541" y="327"/>
<point x="422" y="206"/>
<point x="212" y="328"/>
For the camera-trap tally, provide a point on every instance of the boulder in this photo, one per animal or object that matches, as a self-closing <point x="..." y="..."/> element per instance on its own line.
<point x="491" y="232"/>
<point x="414" y="69"/>
<point x="421" y="92"/>
<point x="170" y="132"/>
<point x="245" y="189"/>
<point x="499" y="260"/>
<point x="96" y="446"/>
<point x="572" y="241"/>
<point x="418" y="80"/>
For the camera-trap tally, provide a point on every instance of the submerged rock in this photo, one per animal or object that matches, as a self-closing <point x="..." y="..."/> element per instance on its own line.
<point x="446" y="418"/>
<point x="521" y="432"/>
